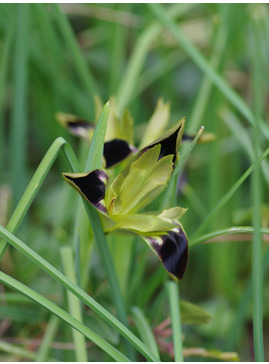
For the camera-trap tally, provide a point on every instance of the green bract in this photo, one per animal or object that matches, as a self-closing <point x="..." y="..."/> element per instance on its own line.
<point x="119" y="200"/>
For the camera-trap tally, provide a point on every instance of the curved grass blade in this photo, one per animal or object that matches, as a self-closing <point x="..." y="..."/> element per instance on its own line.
<point x="227" y="231"/>
<point x="229" y="194"/>
<point x="33" y="188"/>
<point x="77" y="291"/>
<point x="52" y="307"/>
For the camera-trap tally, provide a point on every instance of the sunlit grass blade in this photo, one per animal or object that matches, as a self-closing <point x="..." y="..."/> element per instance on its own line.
<point x="145" y="330"/>
<point x="161" y="13"/>
<point x="18" y="138"/>
<point x="77" y="291"/>
<point x="173" y="294"/>
<point x="74" y="304"/>
<point x="32" y="189"/>
<point x="52" y="307"/>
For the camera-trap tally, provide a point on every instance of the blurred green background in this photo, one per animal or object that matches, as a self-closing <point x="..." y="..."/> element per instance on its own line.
<point x="53" y="61"/>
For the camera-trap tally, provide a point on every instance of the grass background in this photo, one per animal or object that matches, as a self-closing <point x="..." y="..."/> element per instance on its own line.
<point x="212" y="67"/>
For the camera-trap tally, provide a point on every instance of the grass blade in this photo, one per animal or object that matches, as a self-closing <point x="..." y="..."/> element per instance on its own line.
<point x="53" y="324"/>
<point x="227" y="231"/>
<point x="74" y="304"/>
<point x="77" y="291"/>
<point x="145" y="330"/>
<point x="52" y="307"/>
<point x="163" y="16"/>
<point x="18" y="145"/>
<point x="229" y="194"/>
<point x="32" y="189"/>
<point x="80" y="64"/>
<point x="173" y="294"/>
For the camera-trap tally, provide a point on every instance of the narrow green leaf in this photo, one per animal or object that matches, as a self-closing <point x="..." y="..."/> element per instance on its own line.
<point x="95" y="156"/>
<point x="32" y="189"/>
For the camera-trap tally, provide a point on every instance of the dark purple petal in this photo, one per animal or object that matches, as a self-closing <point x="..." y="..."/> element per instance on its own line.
<point x="169" y="143"/>
<point x="116" y="150"/>
<point x="172" y="251"/>
<point x="92" y="186"/>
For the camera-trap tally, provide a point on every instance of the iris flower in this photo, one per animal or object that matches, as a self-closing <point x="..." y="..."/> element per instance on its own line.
<point x="120" y="200"/>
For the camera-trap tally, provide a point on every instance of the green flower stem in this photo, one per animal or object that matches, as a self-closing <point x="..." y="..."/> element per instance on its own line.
<point x="79" y="61"/>
<point x="161" y="13"/>
<point x="229" y="194"/>
<point x="74" y="304"/>
<point x="52" y="307"/>
<point x="94" y="161"/>
<point x="51" y="330"/>
<point x="77" y="291"/>
<point x="227" y="231"/>
<point x="145" y="330"/>
<point x="173" y="294"/>
<point x="32" y="189"/>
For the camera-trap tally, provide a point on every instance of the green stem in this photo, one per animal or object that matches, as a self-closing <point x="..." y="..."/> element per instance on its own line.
<point x="74" y="304"/>
<point x="51" y="330"/>
<point x="173" y="294"/>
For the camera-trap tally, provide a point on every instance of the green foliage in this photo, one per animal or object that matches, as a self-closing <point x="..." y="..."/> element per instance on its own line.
<point x="155" y="63"/>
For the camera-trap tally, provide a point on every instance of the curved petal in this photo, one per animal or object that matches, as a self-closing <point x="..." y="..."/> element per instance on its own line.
<point x="172" y="249"/>
<point x="116" y="150"/>
<point x="170" y="141"/>
<point x="91" y="186"/>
